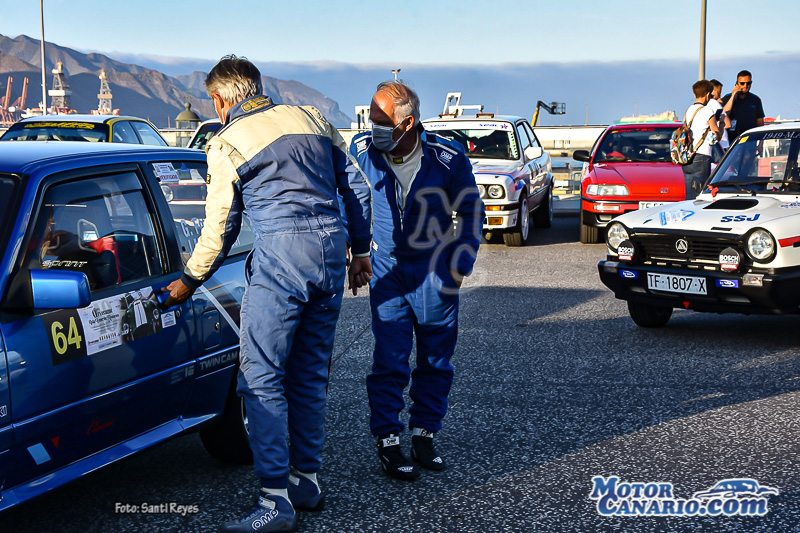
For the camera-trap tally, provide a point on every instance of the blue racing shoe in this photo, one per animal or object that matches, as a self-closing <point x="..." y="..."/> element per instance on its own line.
<point x="304" y="491"/>
<point x="271" y="513"/>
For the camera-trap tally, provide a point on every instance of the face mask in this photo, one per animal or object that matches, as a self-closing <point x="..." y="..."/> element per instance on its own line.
<point x="382" y="137"/>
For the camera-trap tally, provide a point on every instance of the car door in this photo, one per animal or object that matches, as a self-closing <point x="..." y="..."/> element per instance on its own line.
<point x="541" y="168"/>
<point x="82" y="380"/>
<point x="529" y="164"/>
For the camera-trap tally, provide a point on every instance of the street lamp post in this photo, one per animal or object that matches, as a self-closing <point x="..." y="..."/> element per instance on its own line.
<point x="44" y="78"/>
<point x="703" y="40"/>
<point x="395" y="72"/>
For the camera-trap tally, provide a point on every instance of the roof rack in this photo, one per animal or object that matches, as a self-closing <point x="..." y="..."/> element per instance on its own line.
<point x="457" y="109"/>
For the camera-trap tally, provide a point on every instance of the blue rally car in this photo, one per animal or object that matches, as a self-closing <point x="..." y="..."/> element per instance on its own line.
<point x="92" y="367"/>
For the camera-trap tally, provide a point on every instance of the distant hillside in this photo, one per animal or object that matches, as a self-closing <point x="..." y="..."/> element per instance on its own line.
<point x="137" y="90"/>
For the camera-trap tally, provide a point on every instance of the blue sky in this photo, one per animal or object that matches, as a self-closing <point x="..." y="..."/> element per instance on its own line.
<point x="418" y="32"/>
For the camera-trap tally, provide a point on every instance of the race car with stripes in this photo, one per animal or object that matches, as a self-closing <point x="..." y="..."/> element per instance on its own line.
<point x="513" y="172"/>
<point x="734" y="249"/>
<point x="93" y="367"/>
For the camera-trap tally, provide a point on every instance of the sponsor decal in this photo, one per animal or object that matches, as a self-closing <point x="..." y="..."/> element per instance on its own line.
<point x="165" y="172"/>
<point x="728" y="497"/>
<point x="97" y="426"/>
<point x="790" y="205"/>
<point x="361" y="145"/>
<point x="740" y="218"/>
<point x="48" y="263"/>
<point x="70" y="125"/>
<point x="3" y="410"/>
<point x="168" y="319"/>
<point x="625" y="251"/>
<point x="38" y="453"/>
<point x="254" y="104"/>
<point x="445" y="156"/>
<point x="183" y="172"/>
<point x="728" y="283"/>
<point x="629" y="274"/>
<point x="729" y="259"/>
<point x="682" y="246"/>
<point x="668" y="217"/>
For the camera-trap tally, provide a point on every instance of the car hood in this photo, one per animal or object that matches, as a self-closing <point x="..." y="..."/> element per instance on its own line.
<point x="726" y="214"/>
<point x="494" y="168"/>
<point x="652" y="179"/>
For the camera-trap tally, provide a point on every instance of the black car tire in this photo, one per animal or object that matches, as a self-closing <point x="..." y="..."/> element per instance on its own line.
<point x="227" y="440"/>
<point x="649" y="316"/>
<point x="543" y="216"/>
<point x="518" y="235"/>
<point x="589" y="234"/>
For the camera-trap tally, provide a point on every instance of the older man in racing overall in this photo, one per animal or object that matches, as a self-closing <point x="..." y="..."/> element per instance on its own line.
<point x="418" y="180"/>
<point x="284" y="165"/>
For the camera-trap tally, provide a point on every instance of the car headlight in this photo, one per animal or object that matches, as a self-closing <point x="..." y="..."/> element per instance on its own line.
<point x="482" y="191"/>
<point x="607" y="190"/>
<point x="615" y="234"/>
<point x="496" y="191"/>
<point x="761" y="246"/>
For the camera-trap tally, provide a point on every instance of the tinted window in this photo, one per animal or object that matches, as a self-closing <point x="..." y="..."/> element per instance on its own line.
<point x="101" y="227"/>
<point x="122" y="132"/>
<point x="56" y="131"/>
<point x="8" y="186"/>
<point x="184" y="187"/>
<point x="524" y="138"/>
<point x="148" y="134"/>
<point x="534" y="140"/>
<point x="485" y="143"/>
<point x="646" y="143"/>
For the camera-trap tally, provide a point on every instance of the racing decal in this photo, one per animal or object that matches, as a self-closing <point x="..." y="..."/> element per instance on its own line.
<point x="668" y="217"/>
<point x="740" y="218"/>
<point x="183" y="172"/>
<point x="789" y="241"/>
<point x="781" y="135"/>
<point x="104" y="324"/>
<point x="70" y="125"/>
<point x="625" y="251"/>
<point x="728" y="283"/>
<point x="445" y="156"/>
<point x="165" y="172"/>
<point x="629" y="274"/>
<point x="254" y="104"/>
<point x="790" y="205"/>
<point x="38" y="453"/>
<point x="361" y="145"/>
<point x="96" y="426"/>
<point x="729" y="259"/>
<point x="743" y="140"/>
<point x="168" y="319"/>
<point x="3" y="410"/>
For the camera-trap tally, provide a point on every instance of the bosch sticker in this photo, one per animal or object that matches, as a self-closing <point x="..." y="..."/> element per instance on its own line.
<point x="728" y="283"/>
<point x="625" y="253"/>
<point x="729" y="259"/>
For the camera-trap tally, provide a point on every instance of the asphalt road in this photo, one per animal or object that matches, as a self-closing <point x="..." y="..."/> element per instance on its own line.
<point x="554" y="385"/>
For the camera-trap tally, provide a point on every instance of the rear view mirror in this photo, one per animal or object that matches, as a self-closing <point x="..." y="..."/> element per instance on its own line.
<point x="581" y="155"/>
<point x="534" y="152"/>
<point x="59" y="289"/>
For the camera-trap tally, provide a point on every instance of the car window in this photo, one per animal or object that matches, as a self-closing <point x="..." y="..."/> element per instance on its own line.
<point x="122" y="132"/>
<point x="8" y="188"/>
<point x="102" y="227"/>
<point x="640" y="144"/>
<point x="204" y="135"/>
<point x="184" y="187"/>
<point x="148" y="134"/>
<point x="762" y="162"/>
<point x="56" y="131"/>
<point x="534" y="141"/>
<point x="524" y="138"/>
<point x="485" y="143"/>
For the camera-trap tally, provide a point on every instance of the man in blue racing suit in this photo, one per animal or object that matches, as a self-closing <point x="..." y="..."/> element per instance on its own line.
<point x="284" y="165"/>
<point x="419" y="259"/>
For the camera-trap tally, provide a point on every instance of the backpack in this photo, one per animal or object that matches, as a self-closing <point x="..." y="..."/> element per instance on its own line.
<point x="681" y="145"/>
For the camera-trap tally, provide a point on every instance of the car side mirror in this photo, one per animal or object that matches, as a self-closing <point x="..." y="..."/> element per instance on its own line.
<point x="533" y="152"/>
<point x="59" y="289"/>
<point x="581" y="155"/>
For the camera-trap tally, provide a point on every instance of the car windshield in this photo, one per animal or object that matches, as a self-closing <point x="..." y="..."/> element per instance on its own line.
<point x="56" y="131"/>
<point x="204" y="135"/>
<point x="8" y="186"/>
<point x="485" y="143"/>
<point x="762" y="162"/>
<point x="647" y="143"/>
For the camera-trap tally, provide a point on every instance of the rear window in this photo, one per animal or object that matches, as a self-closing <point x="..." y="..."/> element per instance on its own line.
<point x="8" y="191"/>
<point x="57" y="131"/>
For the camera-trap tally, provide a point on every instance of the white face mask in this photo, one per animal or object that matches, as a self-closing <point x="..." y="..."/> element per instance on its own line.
<point x="382" y="137"/>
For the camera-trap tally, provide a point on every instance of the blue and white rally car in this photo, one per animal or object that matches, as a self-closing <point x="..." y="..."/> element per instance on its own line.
<point x="92" y="367"/>
<point x="734" y="249"/>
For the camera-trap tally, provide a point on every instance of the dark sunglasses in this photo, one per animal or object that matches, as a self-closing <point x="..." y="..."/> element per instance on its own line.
<point x="745" y="83"/>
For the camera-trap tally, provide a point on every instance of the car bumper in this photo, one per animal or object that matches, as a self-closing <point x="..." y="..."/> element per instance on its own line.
<point x="504" y="218"/>
<point x="598" y="213"/>
<point x="779" y="293"/>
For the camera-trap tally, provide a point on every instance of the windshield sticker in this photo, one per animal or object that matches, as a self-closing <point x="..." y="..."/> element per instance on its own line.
<point x="790" y="205"/>
<point x="782" y="135"/>
<point x="743" y="139"/>
<point x="740" y="218"/>
<point x="183" y="172"/>
<point x="668" y="217"/>
<point x="194" y="174"/>
<point x="69" y="125"/>
<point x="165" y="172"/>
<point x="104" y="324"/>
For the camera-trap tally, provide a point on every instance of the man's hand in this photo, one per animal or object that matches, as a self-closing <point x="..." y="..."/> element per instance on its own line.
<point x="458" y="278"/>
<point x="359" y="274"/>
<point x="178" y="291"/>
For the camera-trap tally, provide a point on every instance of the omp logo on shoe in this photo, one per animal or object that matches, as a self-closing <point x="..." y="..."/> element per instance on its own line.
<point x="405" y="468"/>
<point x="391" y="441"/>
<point x="264" y="519"/>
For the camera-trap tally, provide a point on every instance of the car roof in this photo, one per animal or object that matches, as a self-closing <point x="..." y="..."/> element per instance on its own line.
<point x="473" y="118"/>
<point x="635" y="125"/>
<point x="93" y="119"/>
<point x="25" y="157"/>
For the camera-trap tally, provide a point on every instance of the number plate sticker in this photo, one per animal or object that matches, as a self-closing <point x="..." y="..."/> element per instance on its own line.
<point x="681" y="284"/>
<point x="645" y="205"/>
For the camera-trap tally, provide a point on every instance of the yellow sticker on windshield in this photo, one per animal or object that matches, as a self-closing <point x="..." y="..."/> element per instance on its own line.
<point x="74" y="125"/>
<point x="743" y="139"/>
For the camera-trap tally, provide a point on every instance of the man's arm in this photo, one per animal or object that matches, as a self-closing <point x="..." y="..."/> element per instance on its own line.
<point x="760" y="113"/>
<point x="221" y="227"/>
<point x="470" y="214"/>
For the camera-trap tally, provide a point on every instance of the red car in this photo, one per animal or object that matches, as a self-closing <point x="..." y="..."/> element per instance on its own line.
<point x="628" y="168"/>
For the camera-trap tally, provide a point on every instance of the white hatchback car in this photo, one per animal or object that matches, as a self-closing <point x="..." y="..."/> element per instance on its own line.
<point x="513" y="172"/>
<point x="734" y="249"/>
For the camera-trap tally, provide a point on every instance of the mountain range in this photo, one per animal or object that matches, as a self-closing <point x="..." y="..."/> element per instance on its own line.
<point x="137" y="90"/>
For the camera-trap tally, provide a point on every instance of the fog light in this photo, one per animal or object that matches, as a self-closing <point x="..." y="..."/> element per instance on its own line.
<point x="495" y="221"/>
<point x="493" y="208"/>
<point x="755" y="280"/>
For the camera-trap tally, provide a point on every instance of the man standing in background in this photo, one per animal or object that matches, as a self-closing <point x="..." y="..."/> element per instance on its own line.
<point x="743" y="108"/>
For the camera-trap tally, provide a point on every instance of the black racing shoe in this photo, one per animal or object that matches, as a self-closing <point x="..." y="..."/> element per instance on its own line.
<point x="304" y="493"/>
<point x="393" y="462"/>
<point x="271" y="513"/>
<point x="423" y="452"/>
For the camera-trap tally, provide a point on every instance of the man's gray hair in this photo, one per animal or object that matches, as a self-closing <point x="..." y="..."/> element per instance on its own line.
<point x="235" y="79"/>
<point x="406" y="101"/>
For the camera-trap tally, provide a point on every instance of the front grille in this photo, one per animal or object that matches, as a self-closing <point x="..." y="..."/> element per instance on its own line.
<point x="699" y="249"/>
